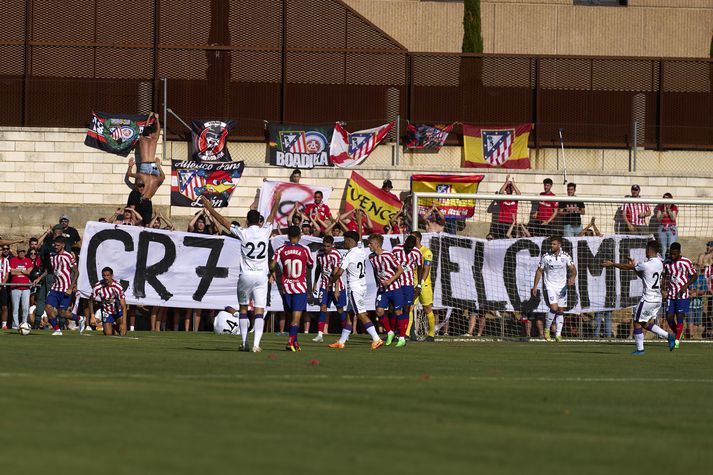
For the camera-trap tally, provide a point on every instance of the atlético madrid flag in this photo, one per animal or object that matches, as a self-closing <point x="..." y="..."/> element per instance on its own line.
<point x="504" y="146"/>
<point x="381" y="206"/>
<point x="452" y="208"/>
<point x="349" y="150"/>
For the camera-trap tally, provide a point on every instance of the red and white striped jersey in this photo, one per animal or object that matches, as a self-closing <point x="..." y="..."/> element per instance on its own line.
<point x="634" y="212"/>
<point x="409" y="262"/>
<point x="62" y="265"/>
<point x="4" y="268"/>
<point x="708" y="274"/>
<point x="678" y="272"/>
<point x="384" y="266"/>
<point x="328" y="262"/>
<point x="294" y="259"/>
<point x="109" y="296"/>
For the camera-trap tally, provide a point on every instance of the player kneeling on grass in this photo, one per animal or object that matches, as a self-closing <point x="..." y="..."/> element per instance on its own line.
<point x="386" y="274"/>
<point x="328" y="261"/>
<point x="678" y="275"/>
<point x="648" y="308"/>
<point x="553" y="270"/>
<point x="296" y="263"/>
<point x="354" y="264"/>
<point x="113" y="303"/>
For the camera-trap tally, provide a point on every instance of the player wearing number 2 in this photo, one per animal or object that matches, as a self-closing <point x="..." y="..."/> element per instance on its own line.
<point x="254" y="267"/>
<point x="678" y="275"/>
<point x="296" y="263"/>
<point x="645" y="314"/>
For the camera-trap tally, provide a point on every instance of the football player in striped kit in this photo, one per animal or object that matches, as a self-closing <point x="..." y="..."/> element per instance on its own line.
<point x="410" y="258"/>
<point x="329" y="260"/>
<point x="678" y="275"/>
<point x="386" y="274"/>
<point x="112" y="301"/>
<point x="296" y="263"/>
<point x="59" y="297"/>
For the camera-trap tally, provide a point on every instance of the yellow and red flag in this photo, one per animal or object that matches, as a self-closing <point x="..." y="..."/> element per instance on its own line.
<point x="378" y="204"/>
<point x="504" y="146"/>
<point x="452" y="208"/>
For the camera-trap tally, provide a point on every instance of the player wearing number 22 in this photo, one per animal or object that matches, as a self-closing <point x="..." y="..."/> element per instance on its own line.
<point x="648" y="308"/>
<point x="254" y="268"/>
<point x="678" y="275"/>
<point x="296" y="263"/>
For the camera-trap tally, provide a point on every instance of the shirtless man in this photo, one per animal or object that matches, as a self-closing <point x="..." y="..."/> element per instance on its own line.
<point x="148" y="165"/>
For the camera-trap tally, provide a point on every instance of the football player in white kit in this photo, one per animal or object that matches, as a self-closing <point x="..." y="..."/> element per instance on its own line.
<point x="254" y="267"/>
<point x="553" y="269"/>
<point x="354" y="263"/>
<point x="650" y="271"/>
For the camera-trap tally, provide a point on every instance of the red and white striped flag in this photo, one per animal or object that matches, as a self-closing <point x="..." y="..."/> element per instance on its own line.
<point x="349" y="150"/>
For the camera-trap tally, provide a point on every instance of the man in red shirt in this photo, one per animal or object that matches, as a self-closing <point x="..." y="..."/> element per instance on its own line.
<point x="545" y="212"/>
<point x="318" y="211"/>
<point x="507" y="209"/>
<point x="20" y="268"/>
<point x="635" y="214"/>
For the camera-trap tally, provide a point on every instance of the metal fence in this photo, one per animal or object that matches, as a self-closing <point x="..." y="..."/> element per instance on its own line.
<point x="318" y="61"/>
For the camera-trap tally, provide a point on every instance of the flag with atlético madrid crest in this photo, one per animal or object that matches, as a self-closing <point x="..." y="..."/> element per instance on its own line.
<point x="349" y="150"/>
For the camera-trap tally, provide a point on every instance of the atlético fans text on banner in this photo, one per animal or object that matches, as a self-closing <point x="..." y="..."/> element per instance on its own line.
<point x="216" y="181"/>
<point x="299" y="146"/>
<point x="348" y="150"/>
<point x="426" y="137"/>
<point x="451" y="208"/>
<point x="502" y="146"/>
<point x="210" y="140"/>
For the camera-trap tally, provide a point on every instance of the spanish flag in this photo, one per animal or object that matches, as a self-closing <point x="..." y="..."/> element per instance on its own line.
<point x="505" y="146"/>
<point x="451" y="208"/>
<point x="378" y="204"/>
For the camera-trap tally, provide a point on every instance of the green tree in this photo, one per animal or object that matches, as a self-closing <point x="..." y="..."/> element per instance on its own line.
<point x="472" y="34"/>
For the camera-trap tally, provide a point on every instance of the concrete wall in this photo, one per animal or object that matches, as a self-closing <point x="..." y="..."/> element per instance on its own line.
<point x="48" y="172"/>
<point x="660" y="28"/>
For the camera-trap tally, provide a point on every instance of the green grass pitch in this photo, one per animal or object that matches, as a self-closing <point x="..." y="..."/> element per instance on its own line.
<point x="176" y="403"/>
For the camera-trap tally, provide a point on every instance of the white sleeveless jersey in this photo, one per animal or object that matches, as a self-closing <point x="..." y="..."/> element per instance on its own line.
<point x="354" y="265"/>
<point x="254" y="244"/>
<point x="650" y="271"/>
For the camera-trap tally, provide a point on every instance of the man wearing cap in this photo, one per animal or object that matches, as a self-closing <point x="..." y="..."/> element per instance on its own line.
<point x="71" y="235"/>
<point x="4" y="278"/>
<point x="387" y="186"/>
<point x="635" y="214"/>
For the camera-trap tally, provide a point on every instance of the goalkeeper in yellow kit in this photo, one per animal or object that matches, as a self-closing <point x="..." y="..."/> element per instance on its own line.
<point x="424" y="291"/>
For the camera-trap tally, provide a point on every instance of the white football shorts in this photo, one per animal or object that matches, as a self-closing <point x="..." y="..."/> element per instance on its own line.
<point x="646" y="311"/>
<point x="253" y="286"/>
<point x="357" y="300"/>
<point x="558" y="296"/>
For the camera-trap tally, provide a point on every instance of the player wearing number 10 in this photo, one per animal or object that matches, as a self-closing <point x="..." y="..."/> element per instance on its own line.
<point x="254" y="267"/>
<point x="296" y="263"/>
<point x="645" y="315"/>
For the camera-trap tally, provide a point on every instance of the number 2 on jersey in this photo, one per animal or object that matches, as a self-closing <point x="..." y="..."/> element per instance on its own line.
<point x="260" y="248"/>
<point x="360" y="266"/>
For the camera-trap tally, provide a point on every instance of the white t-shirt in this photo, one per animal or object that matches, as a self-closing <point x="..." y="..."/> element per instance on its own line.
<point x="254" y="244"/>
<point x="354" y="265"/>
<point x="650" y="272"/>
<point x="554" y="270"/>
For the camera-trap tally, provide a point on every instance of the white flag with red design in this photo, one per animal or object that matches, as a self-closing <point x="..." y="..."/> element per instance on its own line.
<point x="349" y="150"/>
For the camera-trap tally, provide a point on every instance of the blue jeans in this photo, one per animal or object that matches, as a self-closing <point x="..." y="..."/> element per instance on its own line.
<point x="20" y="297"/>
<point x="667" y="236"/>
<point x="606" y="318"/>
<point x="569" y="230"/>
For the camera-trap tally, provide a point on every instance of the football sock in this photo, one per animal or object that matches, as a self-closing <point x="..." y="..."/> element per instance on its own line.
<point x="672" y="325"/>
<point x="639" y="338"/>
<point x="559" y="323"/>
<point x="431" y="323"/>
<point x="244" y="324"/>
<point x="679" y="327"/>
<point x="54" y="322"/>
<point x="294" y="330"/>
<point x="402" y="321"/>
<point x="259" y="325"/>
<point x="345" y="333"/>
<point x="321" y="323"/>
<point x="385" y="323"/>
<point x="392" y="321"/>
<point x="410" y="322"/>
<point x="549" y="319"/>
<point x="369" y="327"/>
<point x="658" y="330"/>
<point x="343" y="317"/>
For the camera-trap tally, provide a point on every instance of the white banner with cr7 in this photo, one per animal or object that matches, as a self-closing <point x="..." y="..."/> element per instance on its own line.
<point x="156" y="267"/>
<point x="476" y="274"/>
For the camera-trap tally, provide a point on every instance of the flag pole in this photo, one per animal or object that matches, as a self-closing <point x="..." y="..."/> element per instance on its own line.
<point x="564" y="159"/>
<point x="398" y="138"/>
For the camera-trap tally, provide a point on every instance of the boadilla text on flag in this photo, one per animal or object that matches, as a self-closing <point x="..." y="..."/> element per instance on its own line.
<point x="425" y="137"/>
<point x="452" y="208"/>
<point x="115" y="133"/>
<point x="210" y="140"/>
<point x="348" y="150"/>
<point x="299" y="146"/>
<point x="381" y="206"/>
<point x="503" y="146"/>
<point x="215" y="180"/>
